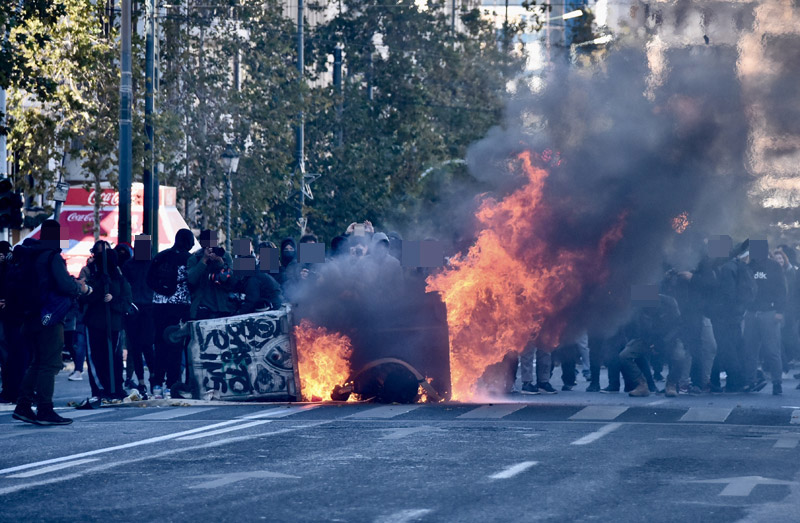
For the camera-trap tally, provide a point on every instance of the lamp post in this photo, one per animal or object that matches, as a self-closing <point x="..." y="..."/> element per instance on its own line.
<point x="230" y="161"/>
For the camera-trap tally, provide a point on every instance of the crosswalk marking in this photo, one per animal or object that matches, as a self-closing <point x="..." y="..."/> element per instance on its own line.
<point x="706" y="414"/>
<point x="74" y="414"/>
<point x="172" y="413"/>
<point x="384" y="412"/>
<point x="599" y="412"/>
<point x="493" y="411"/>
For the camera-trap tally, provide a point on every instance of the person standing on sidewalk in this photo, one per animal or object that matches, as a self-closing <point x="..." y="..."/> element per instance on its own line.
<point x="764" y="318"/>
<point x="139" y="325"/>
<point x="47" y="340"/>
<point x="168" y="278"/>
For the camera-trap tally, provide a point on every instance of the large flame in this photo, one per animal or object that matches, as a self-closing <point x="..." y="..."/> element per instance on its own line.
<point x="323" y="360"/>
<point x="512" y="286"/>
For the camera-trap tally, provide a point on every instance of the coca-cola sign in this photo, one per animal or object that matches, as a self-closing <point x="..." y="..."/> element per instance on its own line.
<point x="107" y="198"/>
<point x="80" y="217"/>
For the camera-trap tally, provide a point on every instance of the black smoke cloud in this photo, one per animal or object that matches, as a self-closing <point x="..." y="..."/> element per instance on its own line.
<point x="634" y="144"/>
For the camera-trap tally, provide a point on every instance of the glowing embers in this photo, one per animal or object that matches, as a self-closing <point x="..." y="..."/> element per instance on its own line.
<point x="514" y="285"/>
<point x="324" y="360"/>
<point x="681" y="222"/>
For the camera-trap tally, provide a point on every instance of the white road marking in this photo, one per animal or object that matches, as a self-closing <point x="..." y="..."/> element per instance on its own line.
<point x="407" y="431"/>
<point x="493" y="411"/>
<point x="222" y="431"/>
<point x="744" y="485"/>
<point x="75" y="414"/>
<point x="53" y="468"/>
<point x="596" y="435"/>
<point x="706" y="414"/>
<point x="105" y="450"/>
<point x="275" y="413"/>
<point x="785" y="440"/>
<point x="384" y="412"/>
<point x="513" y="470"/>
<point x="404" y="516"/>
<point x="149" y="457"/>
<point x="599" y="412"/>
<point x="795" y="417"/>
<point x="171" y="413"/>
<point x="657" y="402"/>
<point x="226" y="479"/>
<point x="280" y="412"/>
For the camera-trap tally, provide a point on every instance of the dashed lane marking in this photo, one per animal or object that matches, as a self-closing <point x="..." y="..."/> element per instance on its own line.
<point x="596" y="435"/>
<point x="513" y="470"/>
<point x="706" y="414"/>
<point x="171" y="413"/>
<point x="404" y="516"/>
<point x="493" y="411"/>
<point x="599" y="412"/>
<point x="384" y="412"/>
<point x="52" y="468"/>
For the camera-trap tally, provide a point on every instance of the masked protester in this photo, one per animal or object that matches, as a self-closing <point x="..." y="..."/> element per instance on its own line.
<point x="764" y="319"/>
<point x="139" y="324"/>
<point x="167" y="277"/>
<point x="103" y="317"/>
<point x="211" y="280"/>
<point x="45" y="260"/>
<point x="288" y="255"/>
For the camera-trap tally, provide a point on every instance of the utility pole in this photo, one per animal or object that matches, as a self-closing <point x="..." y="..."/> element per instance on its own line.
<point x="149" y="218"/>
<point x="453" y="18"/>
<point x="337" y="82"/>
<point x="300" y="153"/>
<point x="125" y="128"/>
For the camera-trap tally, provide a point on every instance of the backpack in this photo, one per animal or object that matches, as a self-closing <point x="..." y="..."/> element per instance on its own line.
<point x="162" y="277"/>
<point x="23" y="285"/>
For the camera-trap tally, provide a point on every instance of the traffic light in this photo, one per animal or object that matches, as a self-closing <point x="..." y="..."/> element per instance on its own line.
<point x="10" y="206"/>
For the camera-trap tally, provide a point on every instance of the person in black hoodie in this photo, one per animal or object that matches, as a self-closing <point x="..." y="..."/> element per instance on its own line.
<point x="764" y="317"/>
<point x="168" y="278"/>
<point x="39" y="381"/>
<point x="139" y="325"/>
<point x="288" y="255"/>
<point x="103" y="316"/>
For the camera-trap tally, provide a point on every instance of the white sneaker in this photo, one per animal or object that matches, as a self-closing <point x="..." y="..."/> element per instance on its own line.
<point x="157" y="394"/>
<point x="76" y="376"/>
<point x="167" y="394"/>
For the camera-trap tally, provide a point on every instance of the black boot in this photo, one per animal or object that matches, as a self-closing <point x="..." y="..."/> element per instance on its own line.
<point x="47" y="416"/>
<point x="24" y="412"/>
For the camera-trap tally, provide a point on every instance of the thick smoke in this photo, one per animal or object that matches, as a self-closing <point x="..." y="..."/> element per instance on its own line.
<point x="629" y="144"/>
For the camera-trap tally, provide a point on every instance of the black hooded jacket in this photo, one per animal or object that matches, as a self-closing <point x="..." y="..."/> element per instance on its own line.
<point x="771" y="294"/>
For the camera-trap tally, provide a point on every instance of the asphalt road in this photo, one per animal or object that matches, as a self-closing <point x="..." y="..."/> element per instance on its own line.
<point x="539" y="458"/>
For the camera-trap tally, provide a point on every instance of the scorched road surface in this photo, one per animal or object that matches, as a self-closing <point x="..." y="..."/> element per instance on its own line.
<point x="372" y="463"/>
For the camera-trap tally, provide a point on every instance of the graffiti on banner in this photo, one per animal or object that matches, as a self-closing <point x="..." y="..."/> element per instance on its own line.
<point x="244" y="357"/>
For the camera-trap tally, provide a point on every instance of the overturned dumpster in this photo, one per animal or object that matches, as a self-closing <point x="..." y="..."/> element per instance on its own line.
<point x="244" y="358"/>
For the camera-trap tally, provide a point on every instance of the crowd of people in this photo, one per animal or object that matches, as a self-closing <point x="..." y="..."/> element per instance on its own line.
<point x="125" y="301"/>
<point x="735" y="314"/>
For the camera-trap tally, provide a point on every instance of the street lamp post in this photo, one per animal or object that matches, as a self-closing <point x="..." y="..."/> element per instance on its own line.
<point x="230" y="161"/>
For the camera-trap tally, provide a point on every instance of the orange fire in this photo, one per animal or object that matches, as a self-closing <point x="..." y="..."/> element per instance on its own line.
<point x="512" y="286"/>
<point x="324" y="360"/>
<point x="681" y="222"/>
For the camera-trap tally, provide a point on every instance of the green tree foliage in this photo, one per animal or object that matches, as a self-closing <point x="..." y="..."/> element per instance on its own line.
<point x="434" y="92"/>
<point x="201" y="110"/>
<point x="77" y="113"/>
